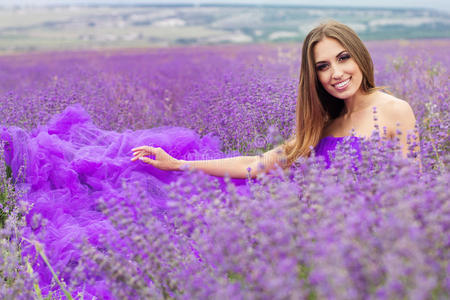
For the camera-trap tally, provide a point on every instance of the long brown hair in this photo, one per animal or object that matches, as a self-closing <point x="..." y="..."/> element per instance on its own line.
<point x="315" y="107"/>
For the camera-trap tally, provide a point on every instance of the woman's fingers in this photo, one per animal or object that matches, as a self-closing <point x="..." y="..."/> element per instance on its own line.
<point x="142" y="151"/>
<point x="144" y="148"/>
<point x="136" y="157"/>
<point x="143" y="158"/>
<point x="147" y="160"/>
<point x="155" y="156"/>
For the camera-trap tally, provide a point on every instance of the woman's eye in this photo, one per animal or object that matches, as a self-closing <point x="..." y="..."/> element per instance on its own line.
<point x="321" y="67"/>
<point x="344" y="57"/>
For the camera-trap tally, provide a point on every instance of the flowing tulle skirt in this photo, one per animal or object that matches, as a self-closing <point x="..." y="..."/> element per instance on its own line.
<point x="67" y="166"/>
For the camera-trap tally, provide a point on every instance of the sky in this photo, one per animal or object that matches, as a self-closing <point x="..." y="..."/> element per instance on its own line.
<point x="436" y="4"/>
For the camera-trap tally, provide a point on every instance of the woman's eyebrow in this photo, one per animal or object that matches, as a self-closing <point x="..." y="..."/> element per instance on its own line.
<point x="339" y="54"/>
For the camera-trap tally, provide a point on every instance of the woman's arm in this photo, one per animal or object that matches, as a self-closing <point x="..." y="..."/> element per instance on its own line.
<point x="402" y="125"/>
<point x="235" y="167"/>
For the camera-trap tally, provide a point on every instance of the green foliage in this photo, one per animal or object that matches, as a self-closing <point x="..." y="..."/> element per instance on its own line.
<point x="8" y="172"/>
<point x="303" y="273"/>
<point x="233" y="277"/>
<point x="7" y="201"/>
<point x="40" y="249"/>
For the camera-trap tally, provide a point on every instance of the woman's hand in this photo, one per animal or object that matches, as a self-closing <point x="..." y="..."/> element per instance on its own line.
<point x="161" y="159"/>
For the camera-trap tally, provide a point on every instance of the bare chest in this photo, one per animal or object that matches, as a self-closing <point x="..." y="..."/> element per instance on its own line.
<point x="362" y="125"/>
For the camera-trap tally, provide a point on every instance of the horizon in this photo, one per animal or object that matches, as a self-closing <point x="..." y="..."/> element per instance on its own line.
<point x="27" y="28"/>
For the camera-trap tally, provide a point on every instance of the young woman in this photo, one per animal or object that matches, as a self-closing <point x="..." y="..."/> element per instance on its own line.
<point x="336" y="96"/>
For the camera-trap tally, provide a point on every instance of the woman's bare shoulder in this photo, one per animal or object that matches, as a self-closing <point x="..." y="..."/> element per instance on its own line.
<point x="393" y="107"/>
<point x="395" y="112"/>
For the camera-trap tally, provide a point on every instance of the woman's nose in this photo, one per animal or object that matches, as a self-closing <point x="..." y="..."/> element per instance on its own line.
<point x="337" y="73"/>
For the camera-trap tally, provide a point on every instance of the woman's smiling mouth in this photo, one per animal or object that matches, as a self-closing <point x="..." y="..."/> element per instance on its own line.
<point x="342" y="85"/>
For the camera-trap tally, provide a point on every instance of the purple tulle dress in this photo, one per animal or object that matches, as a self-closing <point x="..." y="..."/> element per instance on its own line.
<point x="328" y="144"/>
<point x="70" y="164"/>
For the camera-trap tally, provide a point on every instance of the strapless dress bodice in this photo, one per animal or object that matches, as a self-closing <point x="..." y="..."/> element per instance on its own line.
<point x="328" y="144"/>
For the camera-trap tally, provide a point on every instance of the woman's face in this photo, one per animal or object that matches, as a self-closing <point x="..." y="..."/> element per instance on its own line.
<point x="336" y="70"/>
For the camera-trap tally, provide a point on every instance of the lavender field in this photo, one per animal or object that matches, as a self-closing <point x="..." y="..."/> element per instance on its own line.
<point x="81" y="221"/>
